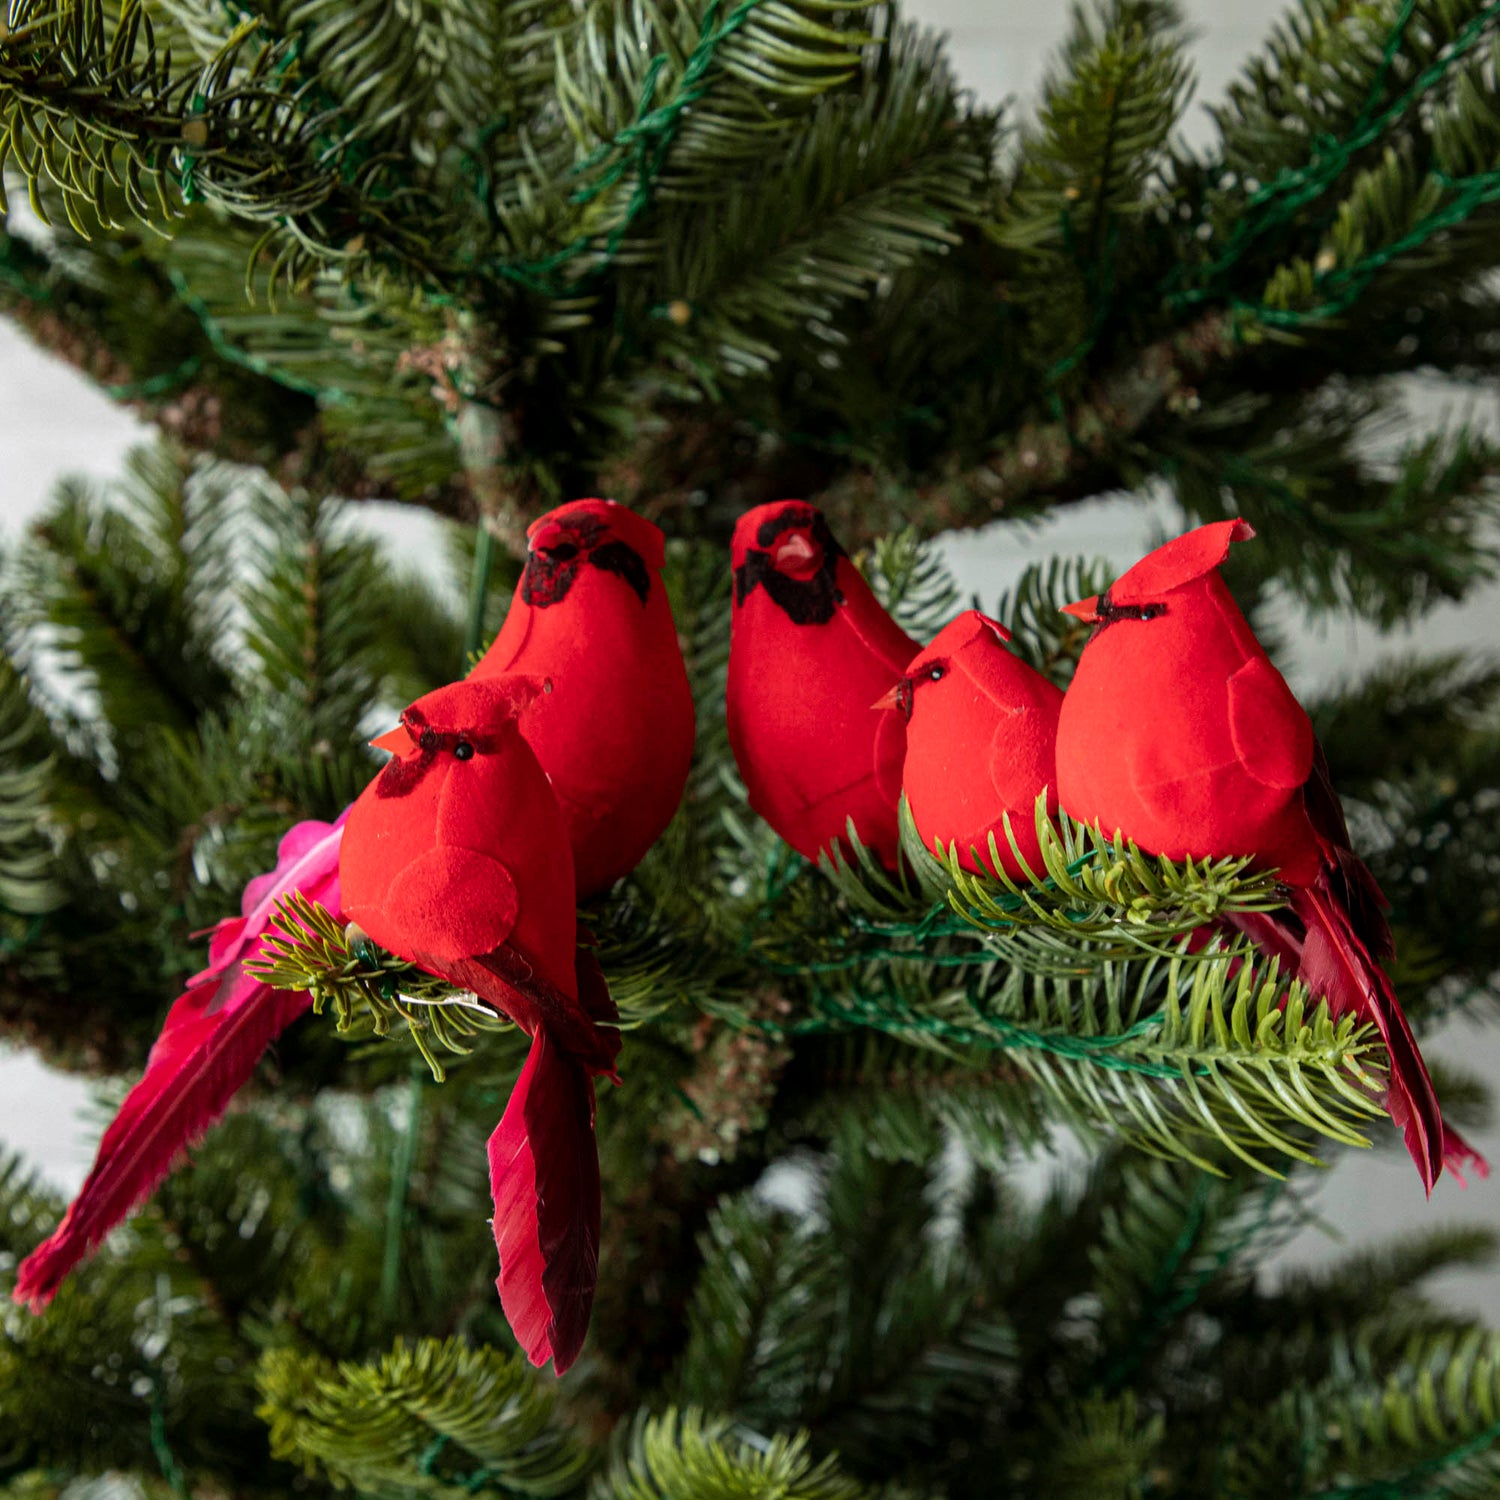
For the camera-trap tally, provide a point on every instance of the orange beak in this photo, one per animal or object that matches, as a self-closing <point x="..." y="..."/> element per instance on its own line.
<point x="899" y="698"/>
<point x="796" y="555"/>
<point x="1086" y="610"/>
<point x="396" y="740"/>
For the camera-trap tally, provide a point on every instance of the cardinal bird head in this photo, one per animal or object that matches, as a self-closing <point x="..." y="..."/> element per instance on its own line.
<point x="969" y="633"/>
<point x="589" y="534"/>
<point x="786" y="548"/>
<point x="450" y="726"/>
<point x="1141" y="593"/>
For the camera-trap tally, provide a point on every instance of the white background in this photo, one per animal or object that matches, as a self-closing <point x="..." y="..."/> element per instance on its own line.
<point x="52" y="422"/>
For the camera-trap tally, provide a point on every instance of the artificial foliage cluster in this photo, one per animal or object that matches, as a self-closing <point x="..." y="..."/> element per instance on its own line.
<point x="482" y="258"/>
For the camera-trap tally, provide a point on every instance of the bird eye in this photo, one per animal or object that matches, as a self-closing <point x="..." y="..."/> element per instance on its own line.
<point x="463" y="750"/>
<point x="936" y="673"/>
<point x="562" y="552"/>
<point x="429" y="740"/>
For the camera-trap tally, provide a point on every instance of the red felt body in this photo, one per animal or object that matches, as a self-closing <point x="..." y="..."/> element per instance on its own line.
<point x="213" y="1036"/>
<point x="811" y="650"/>
<point x="461" y="857"/>
<point x="616" y="732"/>
<point x="456" y="856"/>
<point x="981" y="744"/>
<point x="1180" y="733"/>
<point x="598" y="627"/>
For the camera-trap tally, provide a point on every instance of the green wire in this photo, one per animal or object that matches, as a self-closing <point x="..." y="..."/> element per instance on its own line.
<point x="479" y="586"/>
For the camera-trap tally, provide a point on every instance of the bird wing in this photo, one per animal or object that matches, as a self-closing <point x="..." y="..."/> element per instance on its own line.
<point x="1270" y="730"/>
<point x="448" y="904"/>
<point x="1023" y="759"/>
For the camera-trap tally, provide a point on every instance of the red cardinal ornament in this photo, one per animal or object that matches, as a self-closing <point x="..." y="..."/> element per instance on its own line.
<point x="456" y="858"/>
<point x="981" y="743"/>
<point x="616" y="745"/>
<point x="616" y="732"/>
<point x="210" y="1042"/>
<point x="1179" y="733"/>
<point x="810" y="651"/>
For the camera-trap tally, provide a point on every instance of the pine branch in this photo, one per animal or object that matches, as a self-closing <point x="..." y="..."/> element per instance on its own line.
<point x="906" y="1102"/>
<point x="29" y="887"/>
<point x="1042" y="635"/>
<point x="1092" y="886"/>
<point x="79" y="1388"/>
<point x="95" y="105"/>
<point x="1420" y="1423"/>
<point x="315" y="637"/>
<point x="1091" y="160"/>
<point x="1171" y="1240"/>
<point x="1098" y="441"/>
<point x="912" y="583"/>
<point x="369" y="991"/>
<point x="111" y="310"/>
<point x="356" y="353"/>
<point x="433" y="1418"/>
<point x="1407" y="716"/>
<point x="685" y="1453"/>
<point x="684" y="99"/>
<point x="1099" y="1448"/>
<point x="846" y="219"/>
<point x="133" y="584"/>
<point x="1388" y="79"/>
<point x="756" y="1327"/>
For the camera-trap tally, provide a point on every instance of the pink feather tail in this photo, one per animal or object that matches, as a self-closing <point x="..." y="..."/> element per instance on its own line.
<point x="212" y="1038"/>
<point x="544" y="1177"/>
<point x="1336" y="964"/>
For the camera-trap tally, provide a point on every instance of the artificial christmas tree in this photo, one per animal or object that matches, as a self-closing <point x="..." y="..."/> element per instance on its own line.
<point x="708" y="259"/>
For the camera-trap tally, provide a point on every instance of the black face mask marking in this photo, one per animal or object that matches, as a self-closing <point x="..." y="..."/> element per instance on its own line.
<point x="625" y="562"/>
<point x="1109" y="613"/>
<point x="804" y="601"/>
<point x="550" y="572"/>
<point x="404" y="774"/>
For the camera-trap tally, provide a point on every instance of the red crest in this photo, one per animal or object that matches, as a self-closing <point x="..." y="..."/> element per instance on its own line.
<point x="1180" y="561"/>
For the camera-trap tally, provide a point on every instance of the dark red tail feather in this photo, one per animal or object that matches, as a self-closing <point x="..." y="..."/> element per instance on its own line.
<point x="544" y="1178"/>
<point x="210" y="1042"/>
<point x="1337" y="965"/>
<point x="212" y="1039"/>
<point x="1460" y="1157"/>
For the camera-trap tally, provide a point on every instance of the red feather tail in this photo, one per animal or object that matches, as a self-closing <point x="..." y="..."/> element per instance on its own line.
<point x="544" y="1178"/>
<point x="207" y="1049"/>
<point x="209" y="1045"/>
<point x="1338" y="966"/>
<point x="1459" y="1156"/>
